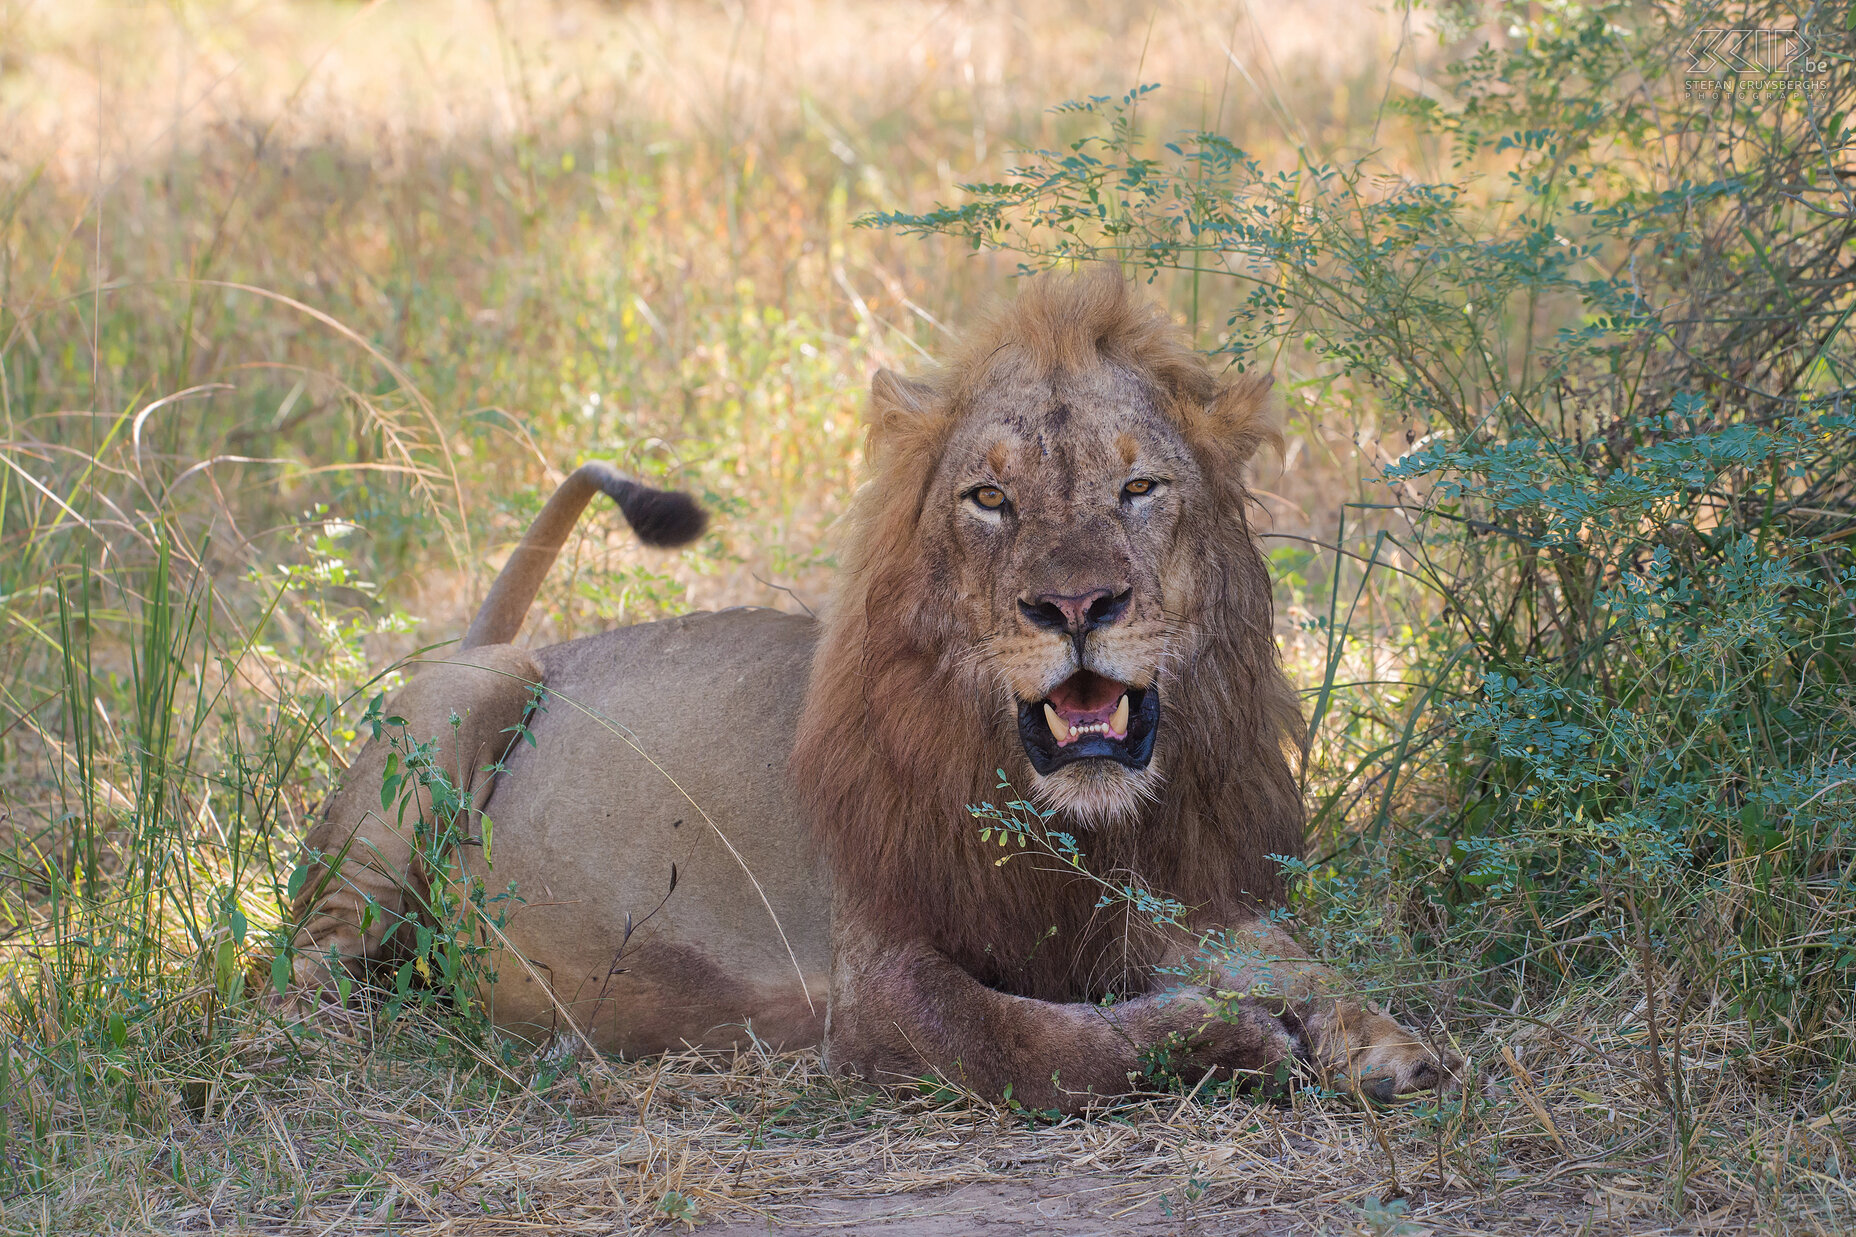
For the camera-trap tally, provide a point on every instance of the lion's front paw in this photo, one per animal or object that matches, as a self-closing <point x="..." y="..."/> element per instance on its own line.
<point x="1246" y="1041"/>
<point x="1368" y="1053"/>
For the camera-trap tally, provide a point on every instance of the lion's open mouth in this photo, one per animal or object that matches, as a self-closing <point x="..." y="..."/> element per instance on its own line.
<point x="1089" y="717"/>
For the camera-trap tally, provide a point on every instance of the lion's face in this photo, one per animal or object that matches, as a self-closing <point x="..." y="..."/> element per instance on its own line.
<point x="1055" y="509"/>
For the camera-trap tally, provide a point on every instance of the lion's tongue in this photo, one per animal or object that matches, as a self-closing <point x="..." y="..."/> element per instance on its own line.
<point x="1086" y="699"/>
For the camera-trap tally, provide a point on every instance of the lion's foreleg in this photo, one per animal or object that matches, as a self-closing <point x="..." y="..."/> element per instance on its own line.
<point x="367" y="874"/>
<point x="904" y="1011"/>
<point x="1352" y="1040"/>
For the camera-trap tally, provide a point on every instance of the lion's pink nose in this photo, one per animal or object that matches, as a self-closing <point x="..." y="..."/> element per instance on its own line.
<point x="1076" y="613"/>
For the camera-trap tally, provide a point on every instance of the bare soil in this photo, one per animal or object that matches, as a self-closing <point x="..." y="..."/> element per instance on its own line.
<point x="1087" y="1206"/>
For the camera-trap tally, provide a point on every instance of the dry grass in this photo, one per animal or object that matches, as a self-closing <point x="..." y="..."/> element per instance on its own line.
<point x="502" y="213"/>
<point x="411" y="1135"/>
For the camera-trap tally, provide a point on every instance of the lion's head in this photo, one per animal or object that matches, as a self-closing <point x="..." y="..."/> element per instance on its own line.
<point x="1051" y="572"/>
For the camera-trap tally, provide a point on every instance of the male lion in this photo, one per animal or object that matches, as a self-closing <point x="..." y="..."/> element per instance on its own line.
<point x="1051" y="573"/>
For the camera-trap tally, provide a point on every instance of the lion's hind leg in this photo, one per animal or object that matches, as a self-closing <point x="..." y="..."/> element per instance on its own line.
<point x="366" y="872"/>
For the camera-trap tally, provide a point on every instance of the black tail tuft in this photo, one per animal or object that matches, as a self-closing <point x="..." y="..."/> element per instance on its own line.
<point x="661" y="517"/>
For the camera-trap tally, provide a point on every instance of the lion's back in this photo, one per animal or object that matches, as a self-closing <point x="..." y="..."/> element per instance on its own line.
<point x="714" y="657"/>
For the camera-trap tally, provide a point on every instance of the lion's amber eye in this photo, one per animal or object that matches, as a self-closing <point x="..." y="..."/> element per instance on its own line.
<point x="1137" y="487"/>
<point x="990" y="497"/>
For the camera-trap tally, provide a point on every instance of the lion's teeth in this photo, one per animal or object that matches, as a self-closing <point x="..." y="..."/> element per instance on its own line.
<point x="1059" y="729"/>
<point x="1119" y="723"/>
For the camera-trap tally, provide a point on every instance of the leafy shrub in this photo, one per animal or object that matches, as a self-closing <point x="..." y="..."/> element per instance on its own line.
<point x="1617" y="329"/>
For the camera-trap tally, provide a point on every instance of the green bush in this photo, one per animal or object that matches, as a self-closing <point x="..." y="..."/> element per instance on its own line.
<point x="1623" y="738"/>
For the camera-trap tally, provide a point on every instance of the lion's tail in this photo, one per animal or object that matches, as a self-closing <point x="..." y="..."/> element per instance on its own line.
<point x="659" y="517"/>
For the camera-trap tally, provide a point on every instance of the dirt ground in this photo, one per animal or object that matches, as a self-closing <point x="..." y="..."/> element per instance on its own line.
<point x="377" y="1135"/>
<point x="1048" y="1205"/>
<point x="1085" y="1206"/>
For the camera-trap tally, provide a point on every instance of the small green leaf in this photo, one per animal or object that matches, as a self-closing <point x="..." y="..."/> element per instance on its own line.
<point x="119" y="1030"/>
<point x="280" y="971"/>
<point x="390" y="780"/>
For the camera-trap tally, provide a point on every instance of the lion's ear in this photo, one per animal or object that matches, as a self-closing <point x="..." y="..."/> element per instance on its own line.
<point x="1240" y="418"/>
<point x="902" y="410"/>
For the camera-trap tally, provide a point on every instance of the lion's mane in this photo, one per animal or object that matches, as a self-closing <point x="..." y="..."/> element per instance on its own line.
<point x="902" y="729"/>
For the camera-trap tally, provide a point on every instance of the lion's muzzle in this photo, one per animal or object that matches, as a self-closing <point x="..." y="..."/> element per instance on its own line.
<point x="1090" y="717"/>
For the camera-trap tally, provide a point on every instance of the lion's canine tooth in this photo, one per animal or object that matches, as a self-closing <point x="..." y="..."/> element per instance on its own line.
<point x="1059" y="729"/>
<point x="1119" y="723"/>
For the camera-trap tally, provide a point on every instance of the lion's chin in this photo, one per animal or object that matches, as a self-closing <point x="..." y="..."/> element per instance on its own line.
<point x="1097" y="793"/>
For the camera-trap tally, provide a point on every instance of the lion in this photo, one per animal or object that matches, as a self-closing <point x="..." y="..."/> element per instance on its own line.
<point x="750" y="823"/>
